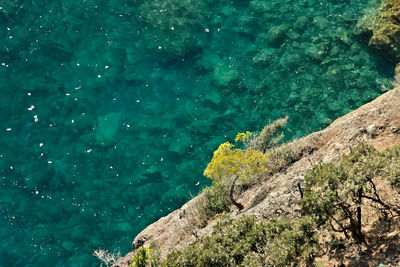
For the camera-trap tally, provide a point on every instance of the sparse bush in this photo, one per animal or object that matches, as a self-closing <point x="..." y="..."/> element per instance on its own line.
<point x="392" y="167"/>
<point x="246" y="242"/>
<point x="144" y="257"/>
<point x="266" y="140"/>
<point x="215" y="199"/>
<point x="337" y="194"/>
<point x="284" y="155"/>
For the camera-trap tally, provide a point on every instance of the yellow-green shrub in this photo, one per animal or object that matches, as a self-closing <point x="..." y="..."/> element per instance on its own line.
<point x="245" y="138"/>
<point x="231" y="166"/>
<point x="144" y="257"/>
<point x="229" y="161"/>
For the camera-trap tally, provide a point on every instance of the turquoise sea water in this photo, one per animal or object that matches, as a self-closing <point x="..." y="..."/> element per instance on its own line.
<point x="110" y="110"/>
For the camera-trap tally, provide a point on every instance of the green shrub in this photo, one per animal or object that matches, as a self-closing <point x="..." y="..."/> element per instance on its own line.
<point x="246" y="242"/>
<point x="215" y="199"/>
<point x="392" y="167"/>
<point x="291" y="242"/>
<point x="228" y="245"/>
<point x="231" y="165"/>
<point x="337" y="194"/>
<point x="144" y="257"/>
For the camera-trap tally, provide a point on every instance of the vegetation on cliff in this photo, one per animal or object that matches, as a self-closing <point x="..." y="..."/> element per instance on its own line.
<point x="251" y="242"/>
<point x="233" y="167"/>
<point x="342" y="195"/>
<point x="338" y="201"/>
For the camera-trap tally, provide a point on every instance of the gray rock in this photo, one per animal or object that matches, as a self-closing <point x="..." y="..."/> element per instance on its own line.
<point x="372" y="130"/>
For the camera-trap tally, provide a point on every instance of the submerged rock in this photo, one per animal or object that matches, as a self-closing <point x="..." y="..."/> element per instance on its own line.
<point x="224" y="73"/>
<point x="277" y="35"/>
<point x="107" y="127"/>
<point x="384" y="28"/>
<point x="301" y="23"/>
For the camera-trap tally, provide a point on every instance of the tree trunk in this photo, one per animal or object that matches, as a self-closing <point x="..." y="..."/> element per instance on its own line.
<point x="300" y="190"/>
<point x="237" y="204"/>
<point x="356" y="225"/>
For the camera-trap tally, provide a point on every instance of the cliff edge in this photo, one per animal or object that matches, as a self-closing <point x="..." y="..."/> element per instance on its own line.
<point x="376" y="123"/>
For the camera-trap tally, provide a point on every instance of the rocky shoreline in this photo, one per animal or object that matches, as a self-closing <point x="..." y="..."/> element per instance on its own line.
<point x="376" y="123"/>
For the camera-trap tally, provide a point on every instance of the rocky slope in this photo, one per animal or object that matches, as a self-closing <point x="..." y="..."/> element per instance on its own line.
<point x="376" y="123"/>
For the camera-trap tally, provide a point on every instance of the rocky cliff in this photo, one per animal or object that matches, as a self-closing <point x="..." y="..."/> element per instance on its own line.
<point x="376" y="123"/>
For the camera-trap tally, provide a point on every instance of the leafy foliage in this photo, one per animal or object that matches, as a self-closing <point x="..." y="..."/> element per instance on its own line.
<point x="229" y="242"/>
<point x="337" y="193"/>
<point x="215" y="200"/>
<point x="246" y="242"/>
<point x="144" y="257"/>
<point x="229" y="161"/>
<point x="245" y="138"/>
<point x="231" y="165"/>
<point x="392" y="166"/>
<point x="291" y="242"/>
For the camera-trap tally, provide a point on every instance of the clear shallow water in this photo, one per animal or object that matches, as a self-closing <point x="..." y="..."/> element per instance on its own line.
<point x="110" y="110"/>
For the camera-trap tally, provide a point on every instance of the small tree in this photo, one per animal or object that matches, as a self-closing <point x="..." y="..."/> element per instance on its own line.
<point x="229" y="161"/>
<point x="336" y="194"/>
<point x="231" y="165"/>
